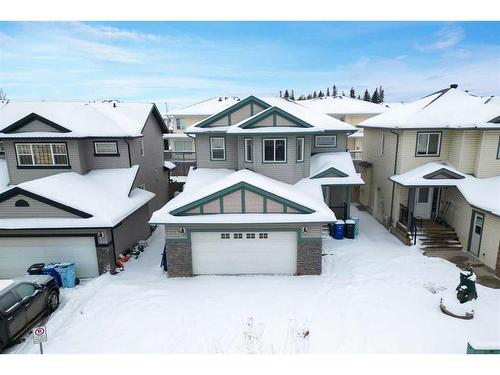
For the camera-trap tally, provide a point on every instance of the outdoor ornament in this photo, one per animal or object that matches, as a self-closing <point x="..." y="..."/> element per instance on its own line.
<point x="465" y="293"/>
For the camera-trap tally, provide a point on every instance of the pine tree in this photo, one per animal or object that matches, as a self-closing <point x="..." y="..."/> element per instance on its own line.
<point x="302" y="97"/>
<point x="375" y="96"/>
<point x="352" y="93"/>
<point x="327" y="91"/>
<point x="320" y="95"/>
<point x="359" y="97"/>
<point x="334" y="91"/>
<point x="381" y="94"/>
<point x="3" y="95"/>
<point x="315" y="95"/>
<point x="309" y="96"/>
<point x="286" y="94"/>
<point x="366" y="96"/>
<point x="292" y="97"/>
<point x="281" y="94"/>
<point x="343" y="93"/>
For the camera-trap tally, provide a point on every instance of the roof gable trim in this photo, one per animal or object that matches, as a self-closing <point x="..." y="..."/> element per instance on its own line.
<point x="273" y="111"/>
<point x="443" y="174"/>
<point x="327" y="171"/>
<point x="30" y="118"/>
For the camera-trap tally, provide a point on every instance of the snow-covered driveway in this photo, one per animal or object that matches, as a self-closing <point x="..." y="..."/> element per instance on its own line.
<point x="375" y="295"/>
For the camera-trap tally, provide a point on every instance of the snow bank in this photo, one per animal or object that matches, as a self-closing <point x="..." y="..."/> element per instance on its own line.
<point x="206" y="107"/>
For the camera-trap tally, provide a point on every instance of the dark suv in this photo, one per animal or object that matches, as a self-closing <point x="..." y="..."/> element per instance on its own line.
<point x="23" y="302"/>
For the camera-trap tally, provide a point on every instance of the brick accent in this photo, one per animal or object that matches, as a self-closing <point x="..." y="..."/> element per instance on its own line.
<point x="309" y="257"/>
<point x="106" y="259"/>
<point x="179" y="261"/>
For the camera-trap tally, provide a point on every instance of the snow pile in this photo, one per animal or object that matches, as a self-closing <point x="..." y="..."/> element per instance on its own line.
<point x="169" y="165"/>
<point x="206" y="107"/>
<point x="343" y="105"/>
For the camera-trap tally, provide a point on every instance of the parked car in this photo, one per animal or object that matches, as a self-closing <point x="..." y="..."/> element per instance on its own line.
<point x="23" y="302"/>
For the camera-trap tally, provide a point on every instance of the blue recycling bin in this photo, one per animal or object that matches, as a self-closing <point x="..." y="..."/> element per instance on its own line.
<point x="356" y="226"/>
<point x="338" y="230"/>
<point x="50" y="269"/>
<point x="67" y="273"/>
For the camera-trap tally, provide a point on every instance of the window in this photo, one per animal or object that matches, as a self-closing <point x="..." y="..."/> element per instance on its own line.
<point x="382" y="143"/>
<point x="183" y="146"/>
<point x="142" y="147"/>
<point x="423" y="195"/>
<point x="225" y="236"/>
<point x="300" y="149"/>
<point x="25" y="290"/>
<point x="217" y="148"/>
<point x="2" y="147"/>
<point x="274" y="150"/>
<point x="326" y="141"/>
<point x="22" y="203"/>
<point x="248" y="150"/>
<point x="42" y="154"/>
<point x="179" y="123"/>
<point x="250" y="236"/>
<point x="263" y="236"/>
<point x="428" y="144"/>
<point x="106" y="148"/>
<point x="238" y="236"/>
<point x="8" y="301"/>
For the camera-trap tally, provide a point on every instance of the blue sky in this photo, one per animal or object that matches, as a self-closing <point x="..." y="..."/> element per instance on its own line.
<point x="184" y="62"/>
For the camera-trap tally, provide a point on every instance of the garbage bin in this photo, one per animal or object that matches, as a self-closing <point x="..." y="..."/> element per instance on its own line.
<point x="36" y="269"/>
<point x="338" y="229"/>
<point x="50" y="269"/>
<point x="67" y="273"/>
<point x="349" y="229"/>
<point x="356" y="226"/>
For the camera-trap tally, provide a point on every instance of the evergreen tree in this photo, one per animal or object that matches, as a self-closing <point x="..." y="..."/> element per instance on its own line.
<point x="375" y="96"/>
<point x="352" y="93"/>
<point x="315" y="95"/>
<point x="343" y="93"/>
<point x="292" y="97"/>
<point x="281" y="94"/>
<point x="327" y="91"/>
<point x="359" y="97"/>
<point x="302" y="97"/>
<point x="3" y="95"/>
<point x="320" y="95"/>
<point x="381" y="94"/>
<point x="309" y="96"/>
<point x="334" y="91"/>
<point x="287" y="95"/>
<point x="366" y="96"/>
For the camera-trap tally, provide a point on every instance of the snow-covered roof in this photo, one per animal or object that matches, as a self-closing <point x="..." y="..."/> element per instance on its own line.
<point x="90" y="119"/>
<point x="344" y="105"/>
<point x="206" y="107"/>
<point x="318" y="122"/>
<point x="340" y="162"/>
<point x="169" y="165"/>
<point x="478" y="192"/>
<point x="103" y="193"/>
<point x="216" y="180"/>
<point x="4" y="175"/>
<point x="448" y="108"/>
<point x="176" y="136"/>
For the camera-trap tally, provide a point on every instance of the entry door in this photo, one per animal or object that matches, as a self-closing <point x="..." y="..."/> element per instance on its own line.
<point x="423" y="202"/>
<point x="477" y="232"/>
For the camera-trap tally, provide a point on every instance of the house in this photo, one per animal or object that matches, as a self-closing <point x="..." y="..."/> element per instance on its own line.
<point x="270" y="175"/>
<point x="438" y="157"/>
<point x="78" y="182"/>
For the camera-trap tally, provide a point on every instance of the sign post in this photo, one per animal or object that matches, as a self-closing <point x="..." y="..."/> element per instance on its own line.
<point x="40" y="336"/>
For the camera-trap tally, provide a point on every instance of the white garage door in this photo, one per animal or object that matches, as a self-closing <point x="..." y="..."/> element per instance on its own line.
<point x="18" y="253"/>
<point x="233" y="253"/>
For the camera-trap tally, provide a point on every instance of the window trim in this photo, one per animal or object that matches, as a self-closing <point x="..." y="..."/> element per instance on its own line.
<point x="223" y="148"/>
<point x="43" y="166"/>
<point x="498" y="148"/>
<point x="96" y="153"/>
<point x="382" y="143"/>
<point x="302" y="157"/>
<point x="264" y="161"/>
<point x="325" y="146"/>
<point x="248" y="160"/>
<point x="438" y="154"/>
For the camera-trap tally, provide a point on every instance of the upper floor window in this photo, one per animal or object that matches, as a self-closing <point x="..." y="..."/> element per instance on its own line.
<point x="300" y="149"/>
<point x="2" y="147"/>
<point x="105" y="148"/>
<point x="274" y="150"/>
<point x="183" y="146"/>
<point x="428" y="144"/>
<point x="325" y="141"/>
<point x="217" y="148"/>
<point x="179" y="123"/>
<point x="42" y="154"/>
<point x="248" y="150"/>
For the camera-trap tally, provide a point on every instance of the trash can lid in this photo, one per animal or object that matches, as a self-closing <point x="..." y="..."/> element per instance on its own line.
<point x="339" y="222"/>
<point x="350" y="221"/>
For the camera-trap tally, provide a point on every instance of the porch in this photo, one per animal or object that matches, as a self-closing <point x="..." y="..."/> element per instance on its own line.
<point x="338" y="198"/>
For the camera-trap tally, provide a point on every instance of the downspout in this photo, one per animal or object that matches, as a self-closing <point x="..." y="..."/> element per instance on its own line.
<point x="393" y="183"/>
<point x="129" y="157"/>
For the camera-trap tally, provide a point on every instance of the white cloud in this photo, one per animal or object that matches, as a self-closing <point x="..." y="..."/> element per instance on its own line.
<point x="447" y="37"/>
<point x="111" y="33"/>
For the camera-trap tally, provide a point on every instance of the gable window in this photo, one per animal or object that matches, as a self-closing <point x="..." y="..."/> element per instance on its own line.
<point x="300" y="149"/>
<point x="21" y="203"/>
<point x="248" y="150"/>
<point x="428" y="144"/>
<point x="2" y="148"/>
<point x="42" y="154"/>
<point x="382" y="143"/>
<point x="106" y="148"/>
<point x="325" y="141"/>
<point x="217" y="148"/>
<point x="274" y="150"/>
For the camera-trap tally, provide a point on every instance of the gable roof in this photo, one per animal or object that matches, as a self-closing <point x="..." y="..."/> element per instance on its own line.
<point x="78" y="120"/>
<point x="449" y="108"/>
<point x="339" y="163"/>
<point x="343" y="105"/>
<point x="206" y="107"/>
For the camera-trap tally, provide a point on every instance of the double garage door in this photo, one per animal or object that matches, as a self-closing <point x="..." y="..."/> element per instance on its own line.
<point x="18" y="253"/>
<point x="234" y="253"/>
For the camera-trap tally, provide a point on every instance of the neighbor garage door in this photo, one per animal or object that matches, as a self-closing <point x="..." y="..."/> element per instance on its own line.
<point x="233" y="253"/>
<point x="18" y="253"/>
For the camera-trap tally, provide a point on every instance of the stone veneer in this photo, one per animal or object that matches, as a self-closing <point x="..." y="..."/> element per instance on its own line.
<point x="179" y="262"/>
<point x="309" y="257"/>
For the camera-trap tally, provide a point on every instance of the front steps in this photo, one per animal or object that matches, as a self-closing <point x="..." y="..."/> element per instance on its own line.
<point x="434" y="237"/>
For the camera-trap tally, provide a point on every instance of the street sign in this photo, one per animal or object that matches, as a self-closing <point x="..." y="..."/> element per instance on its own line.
<point x="40" y="336"/>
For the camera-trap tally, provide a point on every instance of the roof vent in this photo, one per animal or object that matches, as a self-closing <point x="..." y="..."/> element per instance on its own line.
<point x="453" y="86"/>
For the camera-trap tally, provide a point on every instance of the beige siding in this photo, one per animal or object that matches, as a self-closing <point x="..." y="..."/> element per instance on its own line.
<point x="490" y="241"/>
<point x="241" y="114"/>
<point x="224" y="121"/>
<point x="36" y="209"/>
<point x="212" y="207"/>
<point x="192" y="211"/>
<point x="281" y="121"/>
<point x="273" y="206"/>
<point x="407" y="149"/>
<point x="37" y="126"/>
<point x="458" y="214"/>
<point x="173" y="232"/>
<point x="203" y="153"/>
<point x="254" y="203"/>
<point x="487" y="164"/>
<point x="355" y="119"/>
<point x="232" y="202"/>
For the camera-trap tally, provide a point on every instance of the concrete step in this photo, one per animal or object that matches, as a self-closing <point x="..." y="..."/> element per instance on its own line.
<point x="441" y="247"/>
<point x="439" y="241"/>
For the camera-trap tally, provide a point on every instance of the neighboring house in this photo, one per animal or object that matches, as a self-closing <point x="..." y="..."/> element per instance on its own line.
<point x="78" y="182"/>
<point x="438" y="157"/>
<point x="270" y="174"/>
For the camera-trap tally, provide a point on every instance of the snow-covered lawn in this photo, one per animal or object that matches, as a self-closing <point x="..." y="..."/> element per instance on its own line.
<point x="375" y="295"/>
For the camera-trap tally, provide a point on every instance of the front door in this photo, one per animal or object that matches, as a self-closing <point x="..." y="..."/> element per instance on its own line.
<point x="477" y="231"/>
<point x="423" y="202"/>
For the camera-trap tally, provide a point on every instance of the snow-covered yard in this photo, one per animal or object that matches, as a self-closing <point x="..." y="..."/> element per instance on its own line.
<point x="375" y="295"/>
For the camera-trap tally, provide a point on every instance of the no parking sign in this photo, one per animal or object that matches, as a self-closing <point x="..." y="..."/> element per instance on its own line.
<point x="40" y="336"/>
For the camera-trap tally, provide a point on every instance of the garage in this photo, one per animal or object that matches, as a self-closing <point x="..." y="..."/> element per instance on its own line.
<point x="233" y="253"/>
<point x="18" y="253"/>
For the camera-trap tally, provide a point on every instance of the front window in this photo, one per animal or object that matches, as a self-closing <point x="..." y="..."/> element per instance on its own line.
<point x="248" y="150"/>
<point x="217" y="148"/>
<point x="428" y="144"/>
<point x="300" y="149"/>
<point x="326" y="141"/>
<point x="106" y="148"/>
<point x="42" y="154"/>
<point x="274" y="150"/>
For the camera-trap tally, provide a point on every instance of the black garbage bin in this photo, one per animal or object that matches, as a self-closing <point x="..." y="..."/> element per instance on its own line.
<point x="36" y="269"/>
<point x="350" y="226"/>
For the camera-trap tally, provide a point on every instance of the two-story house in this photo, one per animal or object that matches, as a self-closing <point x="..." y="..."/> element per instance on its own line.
<point x="270" y="173"/>
<point x="438" y="159"/>
<point x="78" y="182"/>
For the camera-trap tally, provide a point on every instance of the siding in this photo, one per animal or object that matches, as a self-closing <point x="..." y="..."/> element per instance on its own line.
<point x="203" y="153"/>
<point x="37" y="209"/>
<point x="464" y="149"/>
<point x="341" y="144"/>
<point x="89" y="161"/>
<point x="232" y="202"/>
<point x="490" y="241"/>
<point x="254" y="203"/>
<point x="407" y="148"/>
<point x="132" y="229"/>
<point x="37" y="126"/>
<point x="487" y="164"/>
<point x="241" y="114"/>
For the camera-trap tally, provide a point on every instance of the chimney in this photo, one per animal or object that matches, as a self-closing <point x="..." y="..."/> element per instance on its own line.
<point x="453" y="86"/>
<point x="114" y="105"/>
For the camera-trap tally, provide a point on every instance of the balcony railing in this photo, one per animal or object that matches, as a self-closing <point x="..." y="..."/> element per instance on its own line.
<point x="174" y="156"/>
<point x="356" y="154"/>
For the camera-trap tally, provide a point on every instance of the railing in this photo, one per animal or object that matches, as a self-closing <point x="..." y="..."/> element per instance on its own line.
<point x="356" y="154"/>
<point x="174" y="156"/>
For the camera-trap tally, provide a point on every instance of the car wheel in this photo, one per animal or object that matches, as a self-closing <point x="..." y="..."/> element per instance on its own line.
<point x="53" y="301"/>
